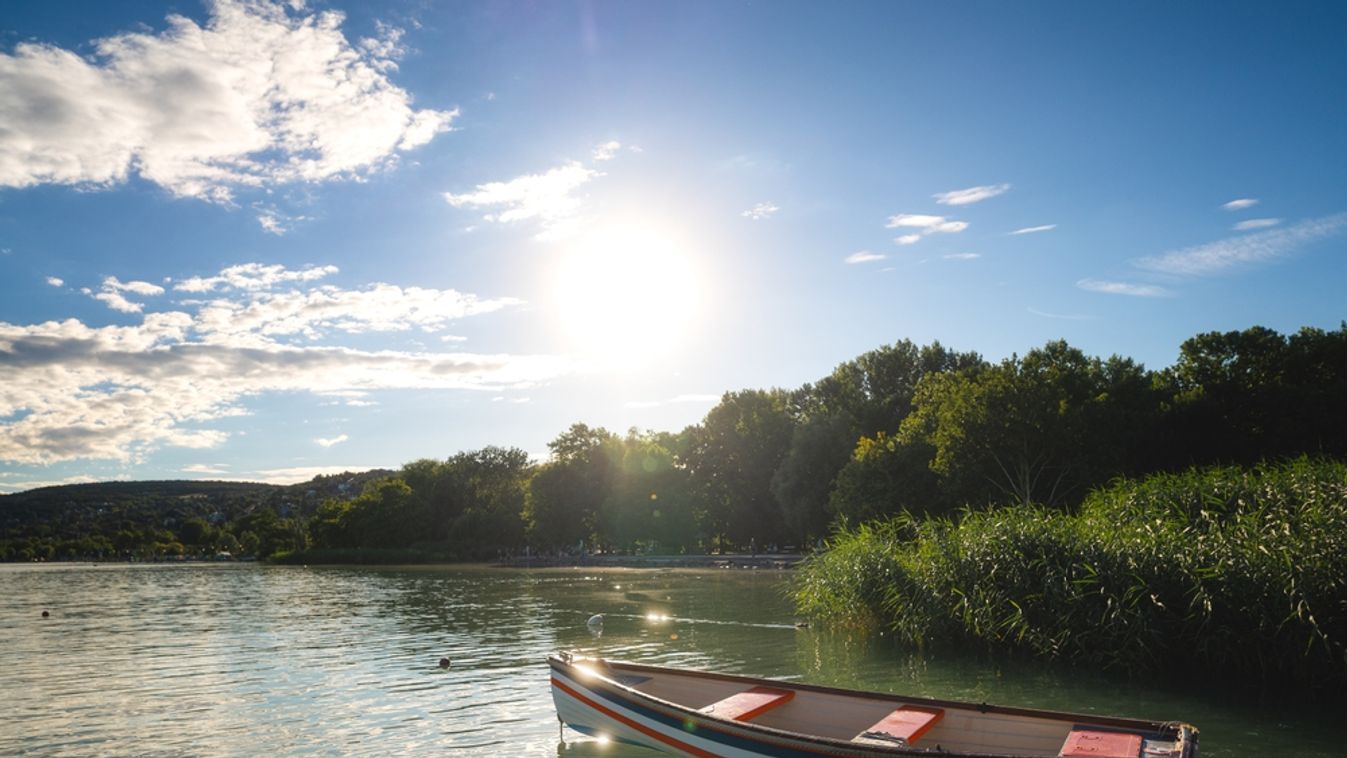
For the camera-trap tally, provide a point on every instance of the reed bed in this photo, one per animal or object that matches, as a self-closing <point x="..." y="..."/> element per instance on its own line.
<point x="1234" y="572"/>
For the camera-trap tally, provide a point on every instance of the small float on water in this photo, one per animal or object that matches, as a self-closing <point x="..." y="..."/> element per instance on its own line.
<point x="709" y="715"/>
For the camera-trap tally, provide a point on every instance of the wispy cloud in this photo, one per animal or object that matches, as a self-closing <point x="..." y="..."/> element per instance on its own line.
<point x="1061" y="316"/>
<point x="273" y="221"/>
<point x="110" y="293"/>
<point x="1035" y="229"/>
<point x="606" y="151"/>
<point x="760" y="211"/>
<point x="1240" y="204"/>
<point x="961" y="256"/>
<point x="206" y="468"/>
<point x="547" y="196"/>
<point x="864" y="256"/>
<point x="971" y="195"/>
<point x="1245" y="249"/>
<point x="1255" y="223"/>
<point x="330" y="441"/>
<point x="253" y="276"/>
<point x="924" y="225"/>
<point x="75" y="391"/>
<point x="1123" y="288"/>
<point x="264" y="93"/>
<point x="55" y="281"/>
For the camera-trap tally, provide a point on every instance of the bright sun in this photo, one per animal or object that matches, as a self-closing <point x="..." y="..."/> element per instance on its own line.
<point x="626" y="294"/>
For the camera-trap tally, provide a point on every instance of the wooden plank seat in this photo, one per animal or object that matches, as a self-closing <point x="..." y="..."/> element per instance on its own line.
<point x="746" y="705"/>
<point x="1088" y="743"/>
<point x="902" y="727"/>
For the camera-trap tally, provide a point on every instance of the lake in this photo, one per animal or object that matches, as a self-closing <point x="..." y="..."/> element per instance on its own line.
<point x="241" y="660"/>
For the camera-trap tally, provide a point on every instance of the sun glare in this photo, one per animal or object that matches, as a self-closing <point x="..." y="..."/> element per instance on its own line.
<point x="626" y="295"/>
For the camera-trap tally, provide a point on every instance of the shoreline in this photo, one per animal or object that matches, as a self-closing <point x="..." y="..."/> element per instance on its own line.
<point x="777" y="561"/>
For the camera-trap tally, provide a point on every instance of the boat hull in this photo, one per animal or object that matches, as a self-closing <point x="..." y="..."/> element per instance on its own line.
<point x="598" y="699"/>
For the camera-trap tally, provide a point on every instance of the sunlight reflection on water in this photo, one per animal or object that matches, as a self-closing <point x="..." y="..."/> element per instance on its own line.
<point x="244" y="659"/>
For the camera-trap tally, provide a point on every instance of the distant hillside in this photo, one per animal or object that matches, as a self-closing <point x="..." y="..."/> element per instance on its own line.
<point x="156" y="518"/>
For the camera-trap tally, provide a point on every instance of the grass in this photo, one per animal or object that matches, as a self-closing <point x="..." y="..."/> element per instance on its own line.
<point x="1239" y="573"/>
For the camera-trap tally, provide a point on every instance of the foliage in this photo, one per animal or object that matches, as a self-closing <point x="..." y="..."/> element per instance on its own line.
<point x="1238" y="571"/>
<point x="901" y="429"/>
<point x="733" y="455"/>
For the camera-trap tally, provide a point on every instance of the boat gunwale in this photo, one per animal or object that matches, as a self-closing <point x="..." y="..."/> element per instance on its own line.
<point x="1185" y="734"/>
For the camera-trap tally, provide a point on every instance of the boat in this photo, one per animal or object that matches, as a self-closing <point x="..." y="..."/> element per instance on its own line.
<point x="705" y="714"/>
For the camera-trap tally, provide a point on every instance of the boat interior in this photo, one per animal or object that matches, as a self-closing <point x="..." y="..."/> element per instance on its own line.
<point x="871" y="720"/>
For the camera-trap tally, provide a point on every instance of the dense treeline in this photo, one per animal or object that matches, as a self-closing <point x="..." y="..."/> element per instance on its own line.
<point x="903" y="429"/>
<point x="164" y="520"/>
<point x="1239" y="572"/>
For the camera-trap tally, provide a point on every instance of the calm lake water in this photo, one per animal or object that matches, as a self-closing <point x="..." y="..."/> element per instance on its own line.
<point x="226" y="660"/>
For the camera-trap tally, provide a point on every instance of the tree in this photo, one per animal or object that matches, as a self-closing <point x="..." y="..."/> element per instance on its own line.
<point x="732" y="456"/>
<point x="804" y="481"/>
<point x="486" y="490"/>
<point x="1038" y="429"/>
<point x="884" y="477"/>
<point x="649" y="502"/>
<point x="561" y="506"/>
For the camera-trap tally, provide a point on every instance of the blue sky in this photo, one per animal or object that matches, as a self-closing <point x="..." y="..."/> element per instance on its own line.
<point x="248" y="240"/>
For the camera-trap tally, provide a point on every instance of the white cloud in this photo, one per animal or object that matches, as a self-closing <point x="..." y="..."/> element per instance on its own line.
<point x="263" y="94"/>
<point x="961" y="256"/>
<point x="55" y="281"/>
<point x="543" y="196"/>
<point x="1035" y="229"/>
<point x="110" y="293"/>
<point x="1256" y="223"/>
<point x="273" y="221"/>
<point x="1123" y="288"/>
<point x="206" y="468"/>
<point x="253" y="276"/>
<point x="606" y="151"/>
<point x="1245" y="249"/>
<point x="970" y="195"/>
<point x="864" y="256"/>
<point x="75" y="391"/>
<point x="1240" y="204"/>
<point x="330" y="441"/>
<point x="118" y="302"/>
<point x="760" y="211"/>
<point x="145" y="289"/>
<point x="924" y="224"/>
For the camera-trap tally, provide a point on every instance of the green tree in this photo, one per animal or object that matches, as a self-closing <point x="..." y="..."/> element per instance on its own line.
<point x="732" y="456"/>
<point x="485" y="490"/>
<point x="886" y="476"/>
<point x="1038" y="429"/>
<point x="564" y="495"/>
<point x="649" y="502"/>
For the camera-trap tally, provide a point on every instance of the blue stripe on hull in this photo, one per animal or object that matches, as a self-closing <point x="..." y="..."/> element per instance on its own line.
<point x="678" y="726"/>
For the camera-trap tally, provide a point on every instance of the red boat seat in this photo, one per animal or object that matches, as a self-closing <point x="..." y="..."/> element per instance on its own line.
<point x="1086" y="743"/>
<point x="749" y="704"/>
<point x="905" y="725"/>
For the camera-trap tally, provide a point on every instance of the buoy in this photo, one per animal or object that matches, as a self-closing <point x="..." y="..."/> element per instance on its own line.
<point x="444" y="663"/>
<point x="45" y="614"/>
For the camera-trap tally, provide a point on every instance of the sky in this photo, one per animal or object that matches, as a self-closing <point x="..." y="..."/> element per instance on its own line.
<point x="262" y="241"/>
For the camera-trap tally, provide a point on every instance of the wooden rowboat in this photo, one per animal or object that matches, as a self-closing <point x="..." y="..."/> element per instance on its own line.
<point x="708" y="715"/>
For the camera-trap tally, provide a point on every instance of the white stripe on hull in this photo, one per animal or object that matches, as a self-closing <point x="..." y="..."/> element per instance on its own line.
<point x="575" y="712"/>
